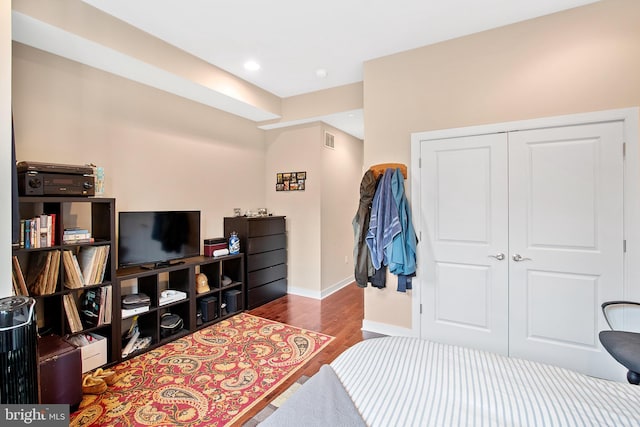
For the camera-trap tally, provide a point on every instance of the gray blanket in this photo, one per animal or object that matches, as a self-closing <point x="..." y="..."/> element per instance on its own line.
<point x="321" y="401"/>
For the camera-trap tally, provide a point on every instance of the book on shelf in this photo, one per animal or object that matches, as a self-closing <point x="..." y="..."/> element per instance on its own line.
<point x="76" y="235"/>
<point x="92" y="261"/>
<point x="38" y="232"/>
<point x="77" y="238"/>
<point x="96" y="306"/>
<point x="71" y="310"/>
<point x="72" y="273"/>
<point x="19" y="277"/>
<point x="22" y="232"/>
<point x="43" y="271"/>
<point x="16" y="288"/>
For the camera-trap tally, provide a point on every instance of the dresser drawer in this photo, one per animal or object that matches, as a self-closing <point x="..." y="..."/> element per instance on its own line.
<point x="266" y="275"/>
<point x="266" y="259"/>
<point x="266" y="226"/>
<point x="266" y="243"/>
<point x="265" y="293"/>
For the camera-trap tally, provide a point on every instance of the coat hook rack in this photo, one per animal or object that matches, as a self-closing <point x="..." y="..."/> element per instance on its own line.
<point x="379" y="169"/>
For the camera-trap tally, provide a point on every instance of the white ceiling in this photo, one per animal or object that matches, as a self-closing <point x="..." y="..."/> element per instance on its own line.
<point x="291" y="39"/>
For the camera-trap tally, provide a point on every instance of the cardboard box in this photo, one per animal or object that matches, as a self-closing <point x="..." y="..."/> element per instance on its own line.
<point x="94" y="354"/>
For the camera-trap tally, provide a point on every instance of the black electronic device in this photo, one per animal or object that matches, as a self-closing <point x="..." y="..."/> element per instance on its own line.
<point x="233" y="300"/>
<point x="26" y="166"/>
<point x="209" y="308"/>
<point x="155" y="238"/>
<point x="55" y="184"/>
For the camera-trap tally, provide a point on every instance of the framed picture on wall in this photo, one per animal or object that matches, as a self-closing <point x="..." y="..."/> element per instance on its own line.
<point x="291" y="181"/>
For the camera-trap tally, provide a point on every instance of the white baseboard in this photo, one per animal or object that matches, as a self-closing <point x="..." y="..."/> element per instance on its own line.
<point x="336" y="287"/>
<point x="303" y="292"/>
<point x="386" y="329"/>
<point x="322" y="294"/>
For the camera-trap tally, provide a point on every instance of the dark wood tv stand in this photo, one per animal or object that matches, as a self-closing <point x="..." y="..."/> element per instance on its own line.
<point x="179" y="276"/>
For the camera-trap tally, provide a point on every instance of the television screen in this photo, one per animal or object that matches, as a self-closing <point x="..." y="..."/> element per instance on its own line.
<point x="157" y="237"/>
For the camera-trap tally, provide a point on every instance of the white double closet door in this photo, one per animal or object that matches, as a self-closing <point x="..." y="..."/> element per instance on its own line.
<point x="524" y="242"/>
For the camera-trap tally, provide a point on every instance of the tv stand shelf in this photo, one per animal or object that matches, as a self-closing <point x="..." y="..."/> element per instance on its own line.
<point x="226" y="280"/>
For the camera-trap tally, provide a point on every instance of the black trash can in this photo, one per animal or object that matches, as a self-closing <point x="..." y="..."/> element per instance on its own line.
<point x="18" y="351"/>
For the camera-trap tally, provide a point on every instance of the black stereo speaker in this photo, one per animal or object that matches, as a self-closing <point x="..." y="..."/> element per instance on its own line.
<point x="209" y="308"/>
<point x="233" y="299"/>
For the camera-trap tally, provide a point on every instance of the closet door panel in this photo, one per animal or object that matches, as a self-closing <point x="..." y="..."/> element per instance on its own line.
<point x="565" y="222"/>
<point x="464" y="202"/>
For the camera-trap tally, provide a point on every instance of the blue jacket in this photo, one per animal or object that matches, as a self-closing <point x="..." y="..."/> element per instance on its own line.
<point x="401" y="254"/>
<point x="384" y="224"/>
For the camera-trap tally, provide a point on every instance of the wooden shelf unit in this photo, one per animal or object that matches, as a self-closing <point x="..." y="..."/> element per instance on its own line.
<point x="181" y="277"/>
<point x="98" y="216"/>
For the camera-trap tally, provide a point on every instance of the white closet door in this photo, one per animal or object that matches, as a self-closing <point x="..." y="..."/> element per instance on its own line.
<point x="565" y="220"/>
<point x="464" y="204"/>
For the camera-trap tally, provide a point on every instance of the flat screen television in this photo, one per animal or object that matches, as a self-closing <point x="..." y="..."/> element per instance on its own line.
<point x="156" y="238"/>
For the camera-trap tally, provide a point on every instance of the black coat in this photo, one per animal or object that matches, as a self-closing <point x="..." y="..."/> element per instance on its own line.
<point x="361" y="256"/>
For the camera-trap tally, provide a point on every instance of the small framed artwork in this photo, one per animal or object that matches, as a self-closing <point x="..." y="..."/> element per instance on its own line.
<point x="291" y="181"/>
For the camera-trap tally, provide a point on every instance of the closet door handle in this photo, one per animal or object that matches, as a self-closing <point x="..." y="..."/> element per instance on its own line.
<point x="518" y="258"/>
<point x="499" y="256"/>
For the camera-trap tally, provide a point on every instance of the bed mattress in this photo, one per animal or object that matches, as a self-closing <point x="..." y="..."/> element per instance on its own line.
<point x="398" y="381"/>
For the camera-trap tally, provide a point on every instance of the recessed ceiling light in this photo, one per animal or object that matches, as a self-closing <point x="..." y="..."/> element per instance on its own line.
<point x="251" y="66"/>
<point x="321" y="73"/>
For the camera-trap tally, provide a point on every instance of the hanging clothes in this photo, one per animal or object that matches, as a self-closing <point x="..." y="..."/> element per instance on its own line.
<point x="401" y="254"/>
<point x="384" y="224"/>
<point x="361" y="256"/>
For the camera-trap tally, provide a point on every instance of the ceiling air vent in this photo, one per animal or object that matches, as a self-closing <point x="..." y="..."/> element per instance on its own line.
<point x="328" y="141"/>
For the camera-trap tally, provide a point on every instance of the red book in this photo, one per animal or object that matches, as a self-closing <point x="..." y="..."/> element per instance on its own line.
<point x="53" y="228"/>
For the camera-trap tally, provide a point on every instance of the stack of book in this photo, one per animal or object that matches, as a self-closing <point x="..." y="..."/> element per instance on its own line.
<point x="85" y="268"/>
<point x="96" y="306"/>
<point x="76" y="235"/>
<point x="71" y="310"/>
<point x="19" y="282"/>
<point x="38" y="232"/>
<point x="42" y="275"/>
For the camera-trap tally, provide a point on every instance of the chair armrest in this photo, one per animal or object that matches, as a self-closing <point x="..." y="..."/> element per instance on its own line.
<point x="619" y="302"/>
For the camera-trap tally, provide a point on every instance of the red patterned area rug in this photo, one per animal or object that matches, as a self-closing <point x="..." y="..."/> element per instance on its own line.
<point x="209" y="378"/>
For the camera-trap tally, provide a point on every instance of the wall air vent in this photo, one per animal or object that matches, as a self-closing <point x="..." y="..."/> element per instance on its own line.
<point x="329" y="141"/>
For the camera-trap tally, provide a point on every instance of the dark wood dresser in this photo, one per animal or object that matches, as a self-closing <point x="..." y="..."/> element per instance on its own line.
<point x="264" y="241"/>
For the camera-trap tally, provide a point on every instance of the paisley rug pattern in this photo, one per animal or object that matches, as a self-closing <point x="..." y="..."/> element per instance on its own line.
<point x="209" y="378"/>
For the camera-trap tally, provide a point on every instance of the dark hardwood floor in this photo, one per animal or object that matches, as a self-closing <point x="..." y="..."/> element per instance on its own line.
<point x="339" y="315"/>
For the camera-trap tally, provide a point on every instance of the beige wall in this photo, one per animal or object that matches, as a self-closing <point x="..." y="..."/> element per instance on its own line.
<point x="324" y="102"/>
<point x="319" y="229"/>
<point x="5" y="148"/>
<point x="341" y="176"/>
<point x="297" y="149"/>
<point x="159" y="151"/>
<point x="585" y="59"/>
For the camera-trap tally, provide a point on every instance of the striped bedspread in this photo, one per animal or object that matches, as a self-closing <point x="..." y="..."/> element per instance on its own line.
<point x="397" y="381"/>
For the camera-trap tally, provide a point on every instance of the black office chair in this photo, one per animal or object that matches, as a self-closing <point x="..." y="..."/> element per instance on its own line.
<point x="624" y="346"/>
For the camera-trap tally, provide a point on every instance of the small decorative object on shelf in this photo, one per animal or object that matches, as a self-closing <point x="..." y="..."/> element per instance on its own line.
<point x="234" y="243"/>
<point x="202" y="283"/>
<point x="99" y="171"/>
